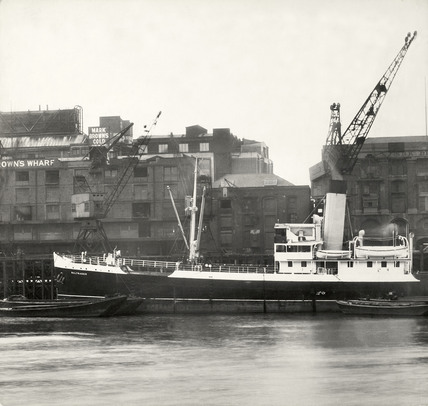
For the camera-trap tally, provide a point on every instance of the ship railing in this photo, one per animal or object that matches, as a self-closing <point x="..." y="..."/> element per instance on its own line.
<point x="167" y="266"/>
<point x="119" y="261"/>
<point x="148" y="263"/>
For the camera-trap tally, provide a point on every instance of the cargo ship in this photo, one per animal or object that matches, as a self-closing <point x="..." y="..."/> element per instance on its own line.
<point x="310" y="261"/>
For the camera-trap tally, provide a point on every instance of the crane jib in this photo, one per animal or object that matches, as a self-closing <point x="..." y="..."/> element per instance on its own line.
<point x="342" y="149"/>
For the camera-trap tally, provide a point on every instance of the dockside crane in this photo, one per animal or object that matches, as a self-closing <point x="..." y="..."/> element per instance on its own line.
<point x="341" y="151"/>
<point x="89" y="207"/>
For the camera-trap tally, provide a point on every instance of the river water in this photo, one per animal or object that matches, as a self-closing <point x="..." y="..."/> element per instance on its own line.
<point x="278" y="359"/>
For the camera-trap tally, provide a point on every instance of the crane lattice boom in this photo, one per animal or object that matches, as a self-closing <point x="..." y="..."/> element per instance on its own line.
<point x="342" y="149"/>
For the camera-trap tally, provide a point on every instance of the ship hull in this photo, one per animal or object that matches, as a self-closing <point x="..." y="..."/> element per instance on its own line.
<point x="156" y="285"/>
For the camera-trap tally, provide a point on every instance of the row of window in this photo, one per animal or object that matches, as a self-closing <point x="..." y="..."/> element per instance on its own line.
<point x="51" y="177"/>
<point x="26" y="213"/>
<point x="373" y="188"/>
<point x="304" y="264"/>
<point x="184" y="147"/>
<point x="162" y="148"/>
<point x="396" y="167"/>
<point x="397" y="203"/>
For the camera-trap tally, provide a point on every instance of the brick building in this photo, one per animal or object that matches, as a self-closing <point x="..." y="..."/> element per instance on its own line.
<point x="45" y="161"/>
<point x="388" y="189"/>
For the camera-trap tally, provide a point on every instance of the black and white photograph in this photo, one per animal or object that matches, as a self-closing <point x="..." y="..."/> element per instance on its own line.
<point x="211" y="202"/>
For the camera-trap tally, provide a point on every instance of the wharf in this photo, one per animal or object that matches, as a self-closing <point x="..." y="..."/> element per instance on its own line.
<point x="32" y="277"/>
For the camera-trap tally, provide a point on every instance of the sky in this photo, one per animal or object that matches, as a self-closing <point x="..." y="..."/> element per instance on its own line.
<point x="268" y="70"/>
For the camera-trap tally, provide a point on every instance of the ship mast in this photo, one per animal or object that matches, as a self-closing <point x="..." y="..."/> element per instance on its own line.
<point x="201" y="220"/>
<point x="180" y="226"/>
<point x="193" y="209"/>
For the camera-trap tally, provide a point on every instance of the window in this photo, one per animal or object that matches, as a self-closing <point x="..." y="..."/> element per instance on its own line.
<point x="290" y="264"/>
<point x="183" y="147"/>
<point x="80" y="182"/>
<point x="422" y="167"/>
<point x="141" y="192"/>
<point x="423" y="196"/>
<point x="398" y="204"/>
<point x="141" y="172"/>
<point x="163" y="148"/>
<point x="383" y="264"/>
<point x="23" y="213"/>
<point x="398" y="187"/>
<point x="22" y="176"/>
<point x="225" y="204"/>
<point x="52" y="212"/>
<point x="22" y="195"/>
<point x="371" y="188"/>
<point x="369" y="168"/>
<point x="204" y="146"/>
<point x="398" y="167"/>
<point x="52" y="177"/>
<point x="75" y="151"/>
<point x="269" y="205"/>
<point x="304" y="264"/>
<point x="398" y="197"/>
<point x="167" y="229"/>
<point x="52" y="194"/>
<point x="111" y="173"/>
<point x="226" y="237"/>
<point x="170" y="173"/>
<point x="141" y="210"/>
<point x="369" y="264"/>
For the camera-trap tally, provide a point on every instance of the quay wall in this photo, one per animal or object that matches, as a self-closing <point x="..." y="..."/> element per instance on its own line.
<point x="237" y="306"/>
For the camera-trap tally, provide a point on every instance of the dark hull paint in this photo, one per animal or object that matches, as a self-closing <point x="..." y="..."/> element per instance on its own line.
<point x="158" y="285"/>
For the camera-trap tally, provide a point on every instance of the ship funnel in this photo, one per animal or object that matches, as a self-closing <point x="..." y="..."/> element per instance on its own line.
<point x="334" y="220"/>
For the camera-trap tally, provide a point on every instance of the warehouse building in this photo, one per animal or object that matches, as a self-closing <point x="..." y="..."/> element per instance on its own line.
<point x="49" y="165"/>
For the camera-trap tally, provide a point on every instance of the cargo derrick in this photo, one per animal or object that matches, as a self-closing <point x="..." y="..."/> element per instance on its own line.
<point x="90" y="207"/>
<point x="340" y="153"/>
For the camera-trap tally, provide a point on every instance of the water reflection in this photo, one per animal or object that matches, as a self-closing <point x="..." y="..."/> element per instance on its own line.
<point x="214" y="360"/>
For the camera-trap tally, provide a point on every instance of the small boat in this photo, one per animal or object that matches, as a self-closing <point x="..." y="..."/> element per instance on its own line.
<point x="57" y="308"/>
<point x="333" y="254"/>
<point x="384" y="307"/>
<point x="126" y="308"/>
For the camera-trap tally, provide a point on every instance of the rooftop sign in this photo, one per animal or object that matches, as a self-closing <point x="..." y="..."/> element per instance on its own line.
<point x="98" y="135"/>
